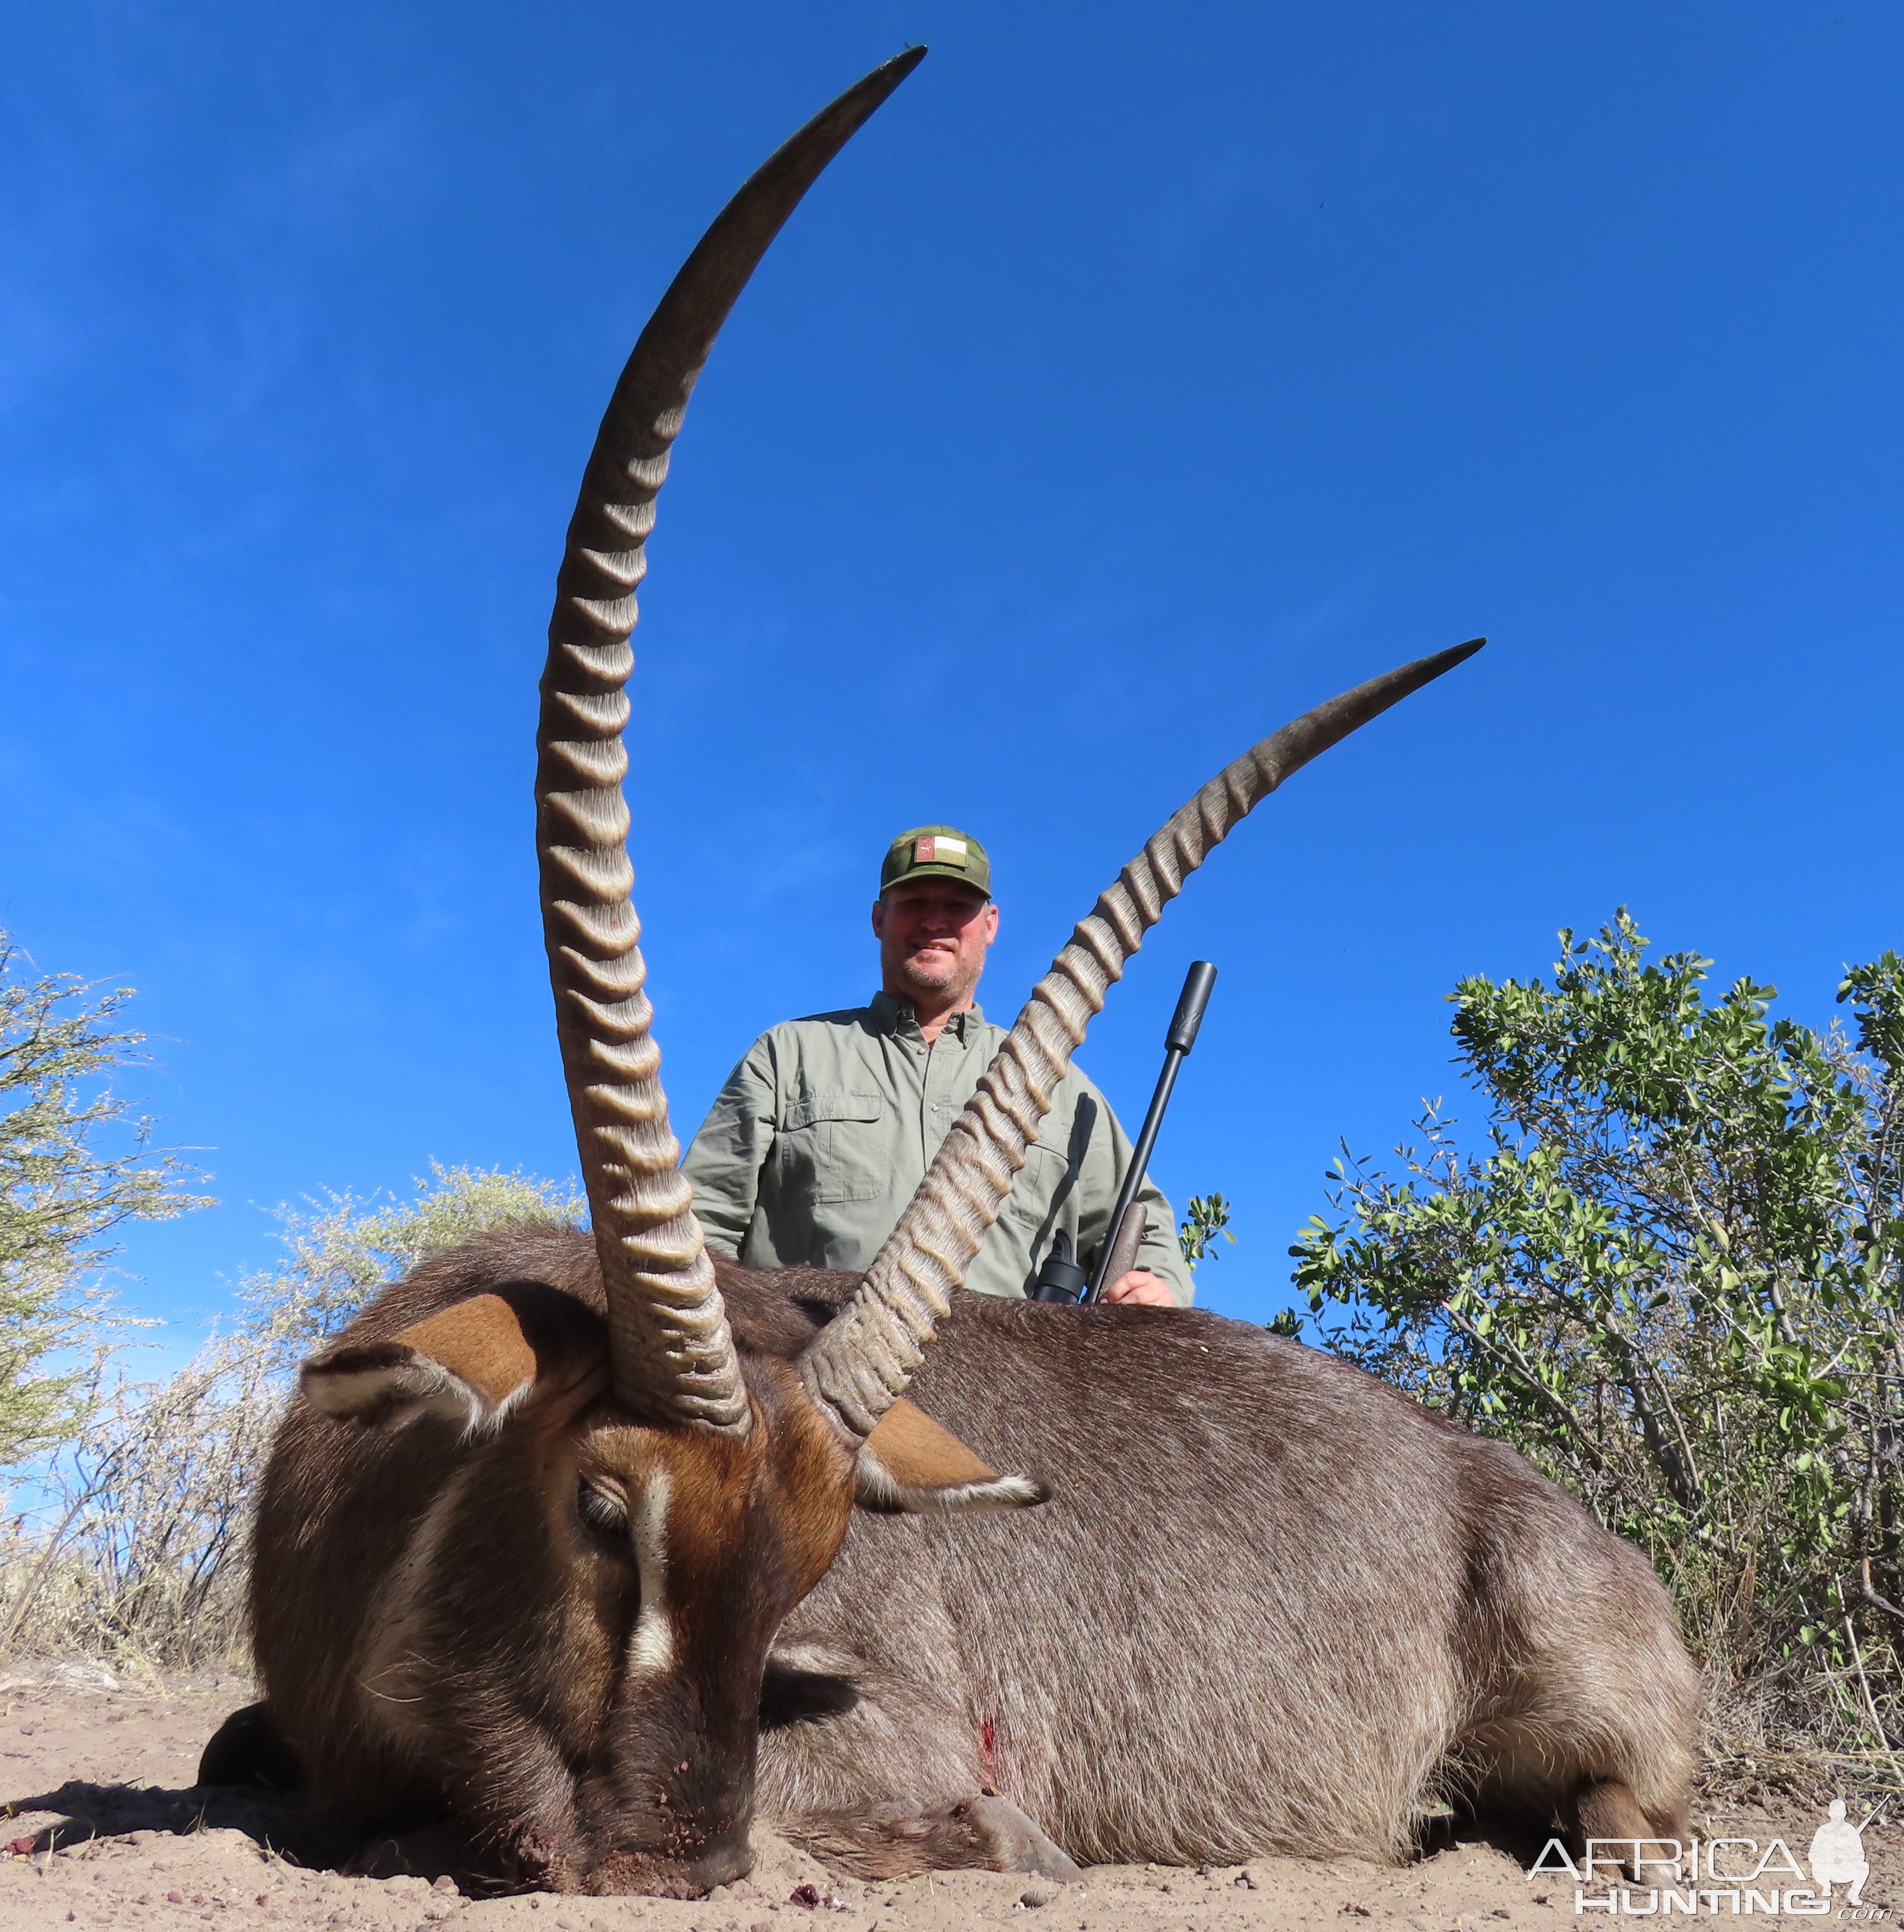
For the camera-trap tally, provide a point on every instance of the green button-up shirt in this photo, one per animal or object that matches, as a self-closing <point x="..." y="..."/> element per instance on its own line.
<point x="822" y="1131"/>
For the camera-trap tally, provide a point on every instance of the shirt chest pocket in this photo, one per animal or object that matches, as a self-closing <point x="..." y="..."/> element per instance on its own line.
<point x="1038" y="1184"/>
<point x="835" y="1147"/>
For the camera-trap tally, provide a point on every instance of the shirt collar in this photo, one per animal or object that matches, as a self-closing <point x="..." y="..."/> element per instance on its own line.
<point x="898" y="1016"/>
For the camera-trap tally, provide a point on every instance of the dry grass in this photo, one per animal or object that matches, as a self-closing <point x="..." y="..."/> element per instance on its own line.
<point x="139" y="1558"/>
<point x="1757" y="1752"/>
<point x="1810" y="1720"/>
<point x="145" y="1561"/>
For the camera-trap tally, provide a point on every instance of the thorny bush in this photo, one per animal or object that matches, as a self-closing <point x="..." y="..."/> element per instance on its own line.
<point x="75" y="1163"/>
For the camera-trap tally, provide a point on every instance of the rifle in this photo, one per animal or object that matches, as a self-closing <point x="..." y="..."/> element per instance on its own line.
<point x="1061" y="1279"/>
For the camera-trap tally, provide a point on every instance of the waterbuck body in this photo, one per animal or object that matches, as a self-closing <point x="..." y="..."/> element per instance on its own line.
<point x="1272" y="1607"/>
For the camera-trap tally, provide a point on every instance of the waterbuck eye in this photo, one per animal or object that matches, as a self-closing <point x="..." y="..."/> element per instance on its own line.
<point x="600" y="1513"/>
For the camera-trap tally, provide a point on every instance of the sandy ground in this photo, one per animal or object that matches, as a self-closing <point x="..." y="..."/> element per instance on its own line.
<point x="106" y="1830"/>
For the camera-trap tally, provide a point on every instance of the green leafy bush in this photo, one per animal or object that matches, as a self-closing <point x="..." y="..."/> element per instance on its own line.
<point x="1671" y="1278"/>
<point x="1205" y="1217"/>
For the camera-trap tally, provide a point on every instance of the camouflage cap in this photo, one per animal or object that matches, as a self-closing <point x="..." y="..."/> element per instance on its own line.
<point x="936" y="852"/>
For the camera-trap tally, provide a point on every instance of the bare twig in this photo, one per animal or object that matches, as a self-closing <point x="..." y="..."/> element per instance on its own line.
<point x="1509" y="1357"/>
<point x="1870" y="1703"/>
<point x="1868" y="1592"/>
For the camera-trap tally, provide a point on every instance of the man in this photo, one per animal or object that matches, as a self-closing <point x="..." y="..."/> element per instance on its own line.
<point x="823" y="1131"/>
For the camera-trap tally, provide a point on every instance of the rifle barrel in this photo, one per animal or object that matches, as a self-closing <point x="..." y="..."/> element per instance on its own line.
<point x="1178" y="1040"/>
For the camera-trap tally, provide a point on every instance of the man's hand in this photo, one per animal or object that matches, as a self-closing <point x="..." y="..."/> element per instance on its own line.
<point x="1140" y="1285"/>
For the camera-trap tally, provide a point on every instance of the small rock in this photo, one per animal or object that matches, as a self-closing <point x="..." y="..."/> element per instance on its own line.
<point x="445" y="1883"/>
<point x="807" y="1895"/>
<point x="94" y="1674"/>
<point x="1042" y="1893"/>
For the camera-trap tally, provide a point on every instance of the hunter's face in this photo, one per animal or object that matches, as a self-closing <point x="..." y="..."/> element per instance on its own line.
<point x="933" y="934"/>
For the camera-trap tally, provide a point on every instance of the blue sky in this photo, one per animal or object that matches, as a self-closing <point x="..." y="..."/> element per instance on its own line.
<point x="1138" y="378"/>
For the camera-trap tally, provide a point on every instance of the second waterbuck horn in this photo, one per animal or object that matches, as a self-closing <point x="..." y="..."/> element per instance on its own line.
<point x="865" y="1358"/>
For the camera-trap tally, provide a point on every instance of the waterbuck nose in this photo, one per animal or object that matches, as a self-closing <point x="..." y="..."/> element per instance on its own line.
<point x="657" y="1876"/>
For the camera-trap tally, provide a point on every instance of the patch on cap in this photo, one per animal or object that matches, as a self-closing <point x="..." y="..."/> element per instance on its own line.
<point x="937" y="851"/>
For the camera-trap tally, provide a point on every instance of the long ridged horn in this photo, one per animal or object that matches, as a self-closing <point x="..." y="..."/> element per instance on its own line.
<point x="673" y="1355"/>
<point x="859" y="1364"/>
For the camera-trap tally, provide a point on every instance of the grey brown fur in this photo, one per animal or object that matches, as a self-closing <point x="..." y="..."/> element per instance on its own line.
<point x="1273" y="1607"/>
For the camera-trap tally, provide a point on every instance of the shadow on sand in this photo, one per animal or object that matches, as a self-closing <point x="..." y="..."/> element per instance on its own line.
<point x="82" y="1810"/>
<point x="87" y="1810"/>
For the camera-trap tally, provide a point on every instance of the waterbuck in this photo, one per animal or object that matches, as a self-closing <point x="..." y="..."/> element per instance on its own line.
<point x="559" y="1541"/>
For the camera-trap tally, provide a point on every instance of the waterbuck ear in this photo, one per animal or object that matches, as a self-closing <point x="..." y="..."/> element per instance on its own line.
<point x="909" y="1464"/>
<point x="472" y="1364"/>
